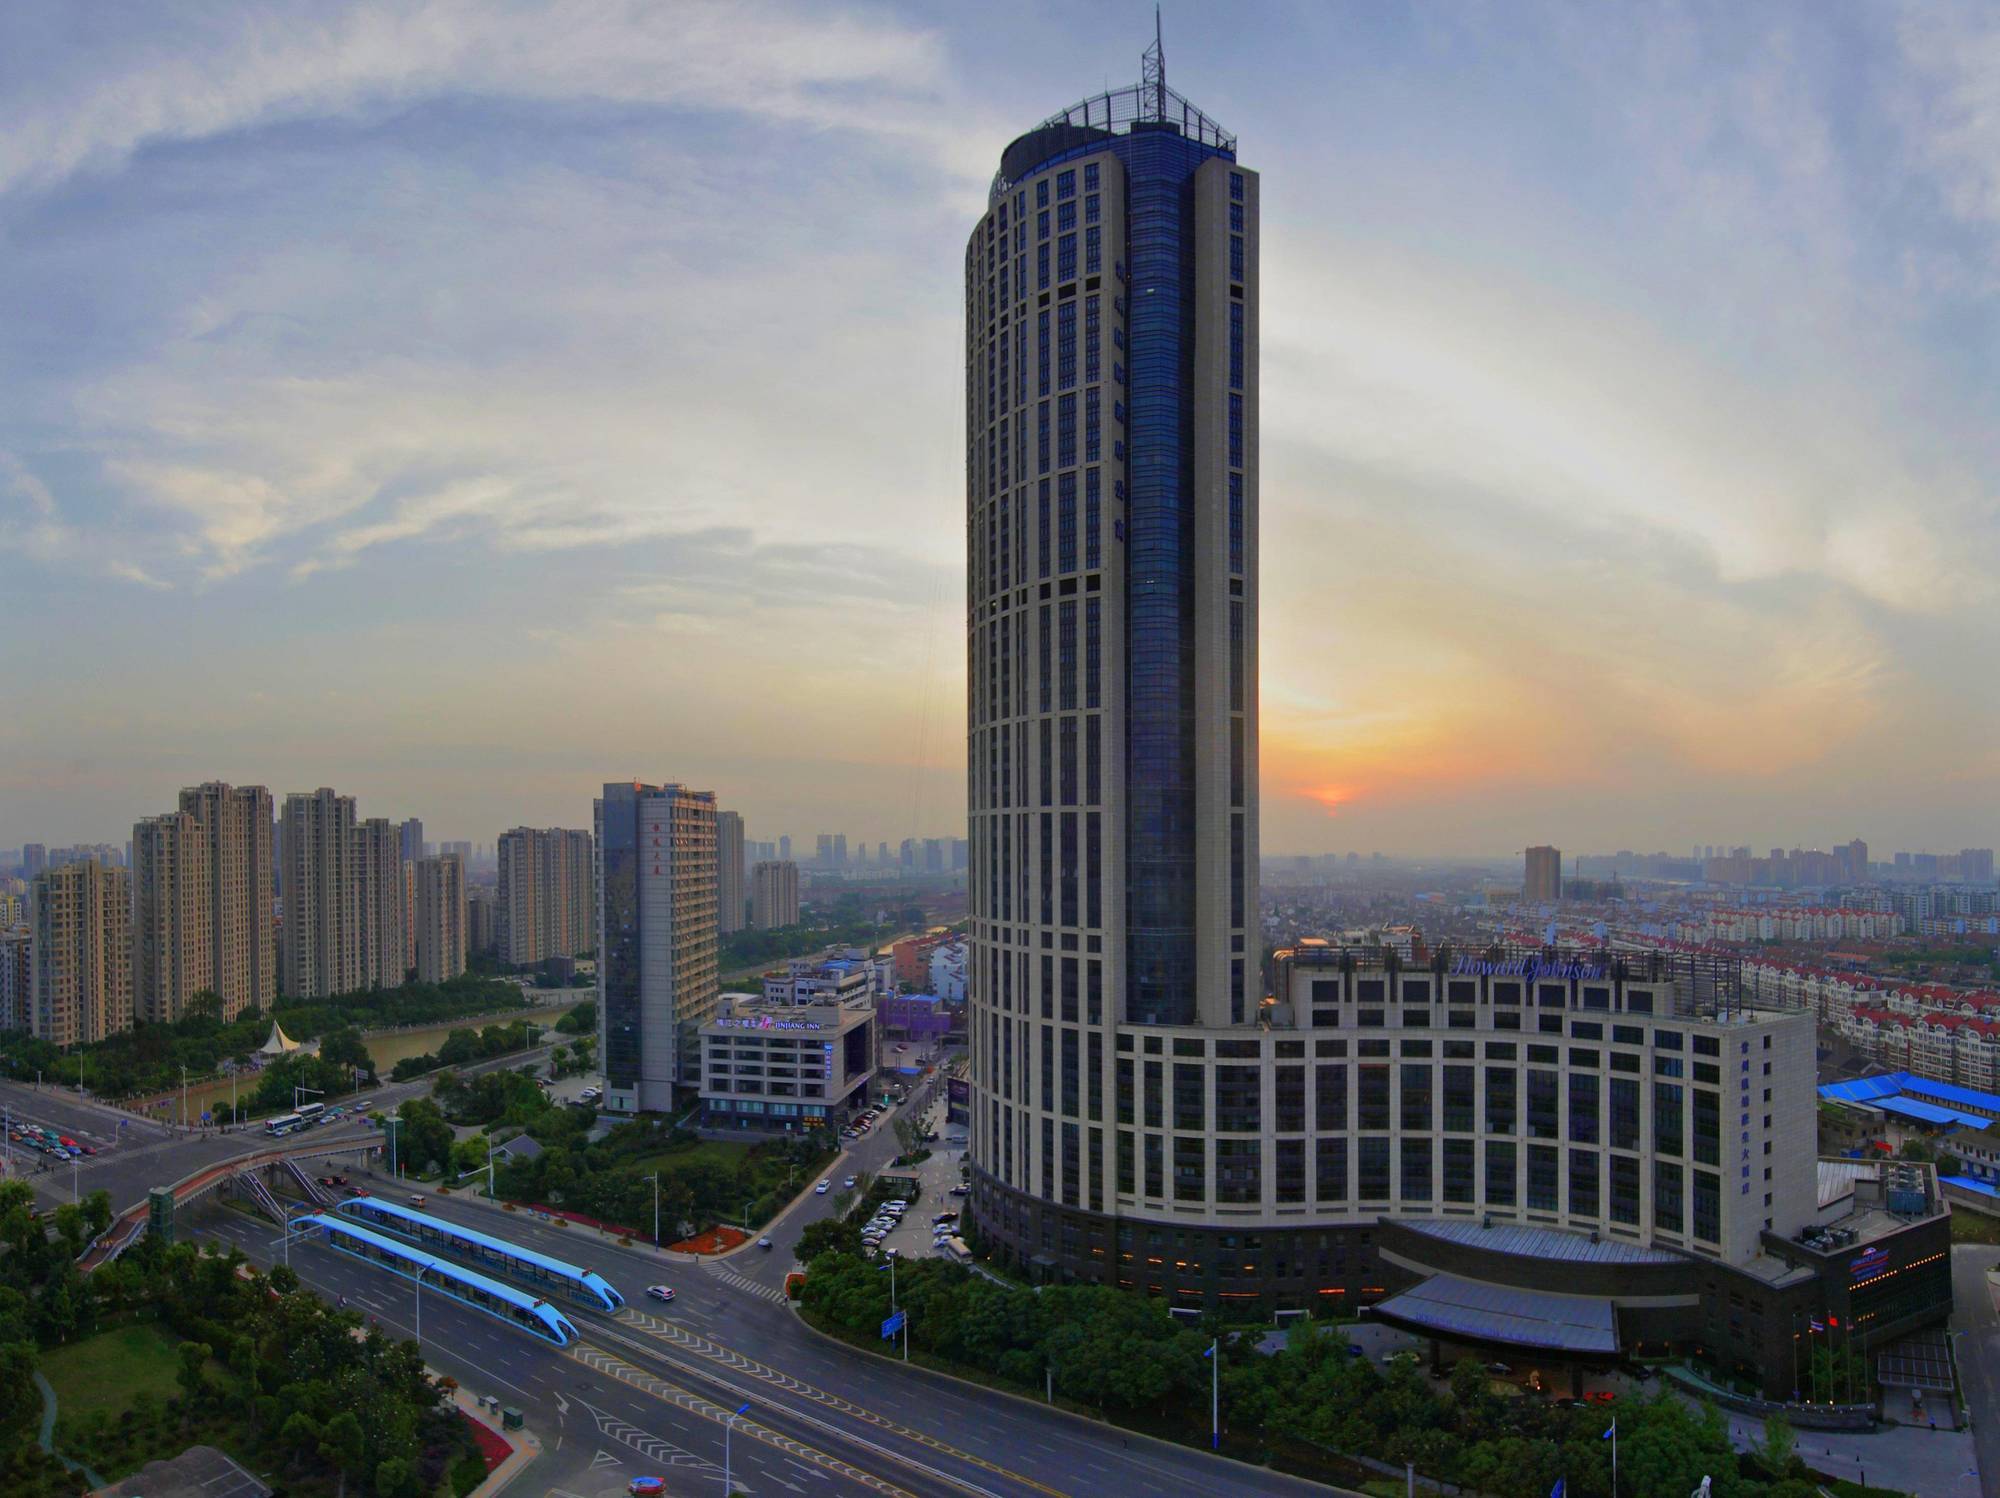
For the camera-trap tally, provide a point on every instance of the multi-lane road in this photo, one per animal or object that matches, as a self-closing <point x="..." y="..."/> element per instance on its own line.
<point x="649" y="1390"/>
<point x="652" y="1390"/>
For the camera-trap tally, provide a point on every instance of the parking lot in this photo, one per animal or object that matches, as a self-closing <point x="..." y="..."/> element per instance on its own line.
<point x="913" y="1236"/>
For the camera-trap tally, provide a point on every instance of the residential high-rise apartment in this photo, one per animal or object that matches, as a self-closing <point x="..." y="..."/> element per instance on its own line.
<point x="731" y="899"/>
<point x="774" y="895"/>
<point x="34" y="860"/>
<point x="1111" y="336"/>
<point x="482" y="920"/>
<point x="173" y="926"/>
<point x="461" y="850"/>
<point x="412" y="835"/>
<point x="243" y="946"/>
<point x="547" y="896"/>
<point x="17" y="978"/>
<point x="82" y="953"/>
<point x="656" y="943"/>
<point x="380" y="885"/>
<point x="322" y="942"/>
<point x="440" y="918"/>
<point x="785" y="848"/>
<point x="1543" y="884"/>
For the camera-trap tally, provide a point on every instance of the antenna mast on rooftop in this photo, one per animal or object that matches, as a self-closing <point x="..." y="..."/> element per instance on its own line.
<point x="1153" y="71"/>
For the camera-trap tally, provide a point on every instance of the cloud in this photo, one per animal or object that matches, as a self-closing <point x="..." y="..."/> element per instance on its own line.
<point x="196" y="79"/>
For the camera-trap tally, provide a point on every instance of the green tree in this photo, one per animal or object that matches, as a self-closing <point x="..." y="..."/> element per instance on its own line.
<point x="345" y="1047"/>
<point x="395" y="1478"/>
<point x="69" y="1226"/>
<point x="342" y="1445"/>
<point x="299" y="1435"/>
<point x="97" y="1212"/>
<point x="426" y="1137"/>
<point x="1779" y="1442"/>
<point x="194" y="1358"/>
<point x="828" y="1235"/>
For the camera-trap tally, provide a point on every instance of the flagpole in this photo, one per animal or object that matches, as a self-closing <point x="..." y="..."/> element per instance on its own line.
<point x="1614" y="1456"/>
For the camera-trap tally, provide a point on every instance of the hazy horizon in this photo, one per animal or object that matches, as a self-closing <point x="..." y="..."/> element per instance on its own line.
<point x="462" y="406"/>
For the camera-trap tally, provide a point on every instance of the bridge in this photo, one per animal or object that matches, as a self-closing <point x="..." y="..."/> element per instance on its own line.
<point x="245" y="1173"/>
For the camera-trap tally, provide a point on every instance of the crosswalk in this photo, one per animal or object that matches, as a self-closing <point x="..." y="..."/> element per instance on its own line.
<point x="736" y="1281"/>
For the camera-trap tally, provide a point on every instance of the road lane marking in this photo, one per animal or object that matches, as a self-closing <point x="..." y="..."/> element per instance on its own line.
<point x="694" y="1404"/>
<point x="701" y="1346"/>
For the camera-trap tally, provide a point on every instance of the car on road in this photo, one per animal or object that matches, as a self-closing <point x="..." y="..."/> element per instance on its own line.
<point x="961" y="1191"/>
<point x="647" y="1487"/>
<point x="822" y="1188"/>
<point x="417" y="1200"/>
<point x="590" y="1094"/>
<point x="765" y="1244"/>
<point x="850" y="1182"/>
<point x="90" y="1149"/>
<point x="355" y="1191"/>
<point x="660" y="1292"/>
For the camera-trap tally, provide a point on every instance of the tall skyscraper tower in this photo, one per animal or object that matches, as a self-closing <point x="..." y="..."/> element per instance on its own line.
<point x="440" y="886"/>
<point x="82" y="953"/>
<point x="1111" y="305"/>
<point x="656" y="943"/>
<point x="547" y="904"/>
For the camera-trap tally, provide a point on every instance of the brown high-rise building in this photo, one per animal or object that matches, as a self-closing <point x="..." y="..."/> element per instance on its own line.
<point x="242" y="873"/>
<point x="322" y="946"/>
<point x="1544" y="882"/>
<point x="82" y="953"/>
<point x="173" y="916"/>
<point x="440" y="918"/>
<point x="547" y="902"/>
<point x="731" y="899"/>
<point x="378" y="903"/>
<point x="774" y="895"/>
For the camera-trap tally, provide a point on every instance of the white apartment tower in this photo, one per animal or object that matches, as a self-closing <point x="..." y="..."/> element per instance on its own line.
<point x="243" y="945"/>
<point x="440" y="918"/>
<point x="322" y="945"/>
<point x="379" y="903"/>
<point x="173" y="926"/>
<point x="547" y="904"/>
<point x="82" y="953"/>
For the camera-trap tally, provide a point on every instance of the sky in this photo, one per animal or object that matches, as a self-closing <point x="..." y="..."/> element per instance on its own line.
<point x="463" y="403"/>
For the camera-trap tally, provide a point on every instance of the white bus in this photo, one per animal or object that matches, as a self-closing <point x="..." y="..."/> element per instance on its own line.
<point x="309" y="1114"/>
<point x="284" y="1124"/>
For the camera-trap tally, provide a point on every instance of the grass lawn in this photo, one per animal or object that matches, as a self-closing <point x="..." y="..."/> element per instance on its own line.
<point x="107" y="1371"/>
<point x="725" y="1154"/>
<point x="1973" y="1227"/>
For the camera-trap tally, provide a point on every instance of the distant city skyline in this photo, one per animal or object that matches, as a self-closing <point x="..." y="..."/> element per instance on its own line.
<point x="1630" y="424"/>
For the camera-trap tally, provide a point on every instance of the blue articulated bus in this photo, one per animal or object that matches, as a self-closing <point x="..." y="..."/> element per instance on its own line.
<point x="440" y="1276"/>
<point x="550" y="1276"/>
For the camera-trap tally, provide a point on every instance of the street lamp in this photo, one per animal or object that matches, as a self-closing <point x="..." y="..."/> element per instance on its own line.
<point x="296" y="1090"/>
<point x="728" y="1425"/>
<point x="655" y="1179"/>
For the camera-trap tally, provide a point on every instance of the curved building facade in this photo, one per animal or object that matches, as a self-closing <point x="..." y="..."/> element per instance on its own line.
<point x="1111" y="534"/>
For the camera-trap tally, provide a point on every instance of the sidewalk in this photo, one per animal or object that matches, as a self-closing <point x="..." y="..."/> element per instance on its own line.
<point x="525" y="1447"/>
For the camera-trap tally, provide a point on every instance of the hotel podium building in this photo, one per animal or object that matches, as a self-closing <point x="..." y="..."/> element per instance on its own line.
<point x="1528" y="1151"/>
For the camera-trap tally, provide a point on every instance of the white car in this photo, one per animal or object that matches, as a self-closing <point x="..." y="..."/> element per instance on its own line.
<point x="848" y="1184"/>
<point x="822" y="1188"/>
<point x="660" y="1292"/>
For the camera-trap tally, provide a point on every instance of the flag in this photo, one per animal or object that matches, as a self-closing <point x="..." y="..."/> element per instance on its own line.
<point x="1610" y="1433"/>
<point x="1557" y="1490"/>
<point x="1816" y="1324"/>
<point x="1208" y="1351"/>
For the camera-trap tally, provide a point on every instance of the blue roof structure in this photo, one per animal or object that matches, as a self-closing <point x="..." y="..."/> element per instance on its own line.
<point x="1951" y="1092"/>
<point x="1971" y="1183"/>
<point x="1930" y="1113"/>
<point x="498" y="1245"/>
<point x="1865" y="1089"/>
<point x="1454" y="1307"/>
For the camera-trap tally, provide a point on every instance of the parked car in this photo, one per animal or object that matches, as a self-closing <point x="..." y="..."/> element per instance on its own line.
<point x="647" y="1487"/>
<point x="660" y="1292"/>
<point x="961" y="1191"/>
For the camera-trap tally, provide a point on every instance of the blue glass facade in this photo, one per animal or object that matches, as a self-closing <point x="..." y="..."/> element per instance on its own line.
<point x="618" y="958"/>
<point x="1159" y="559"/>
